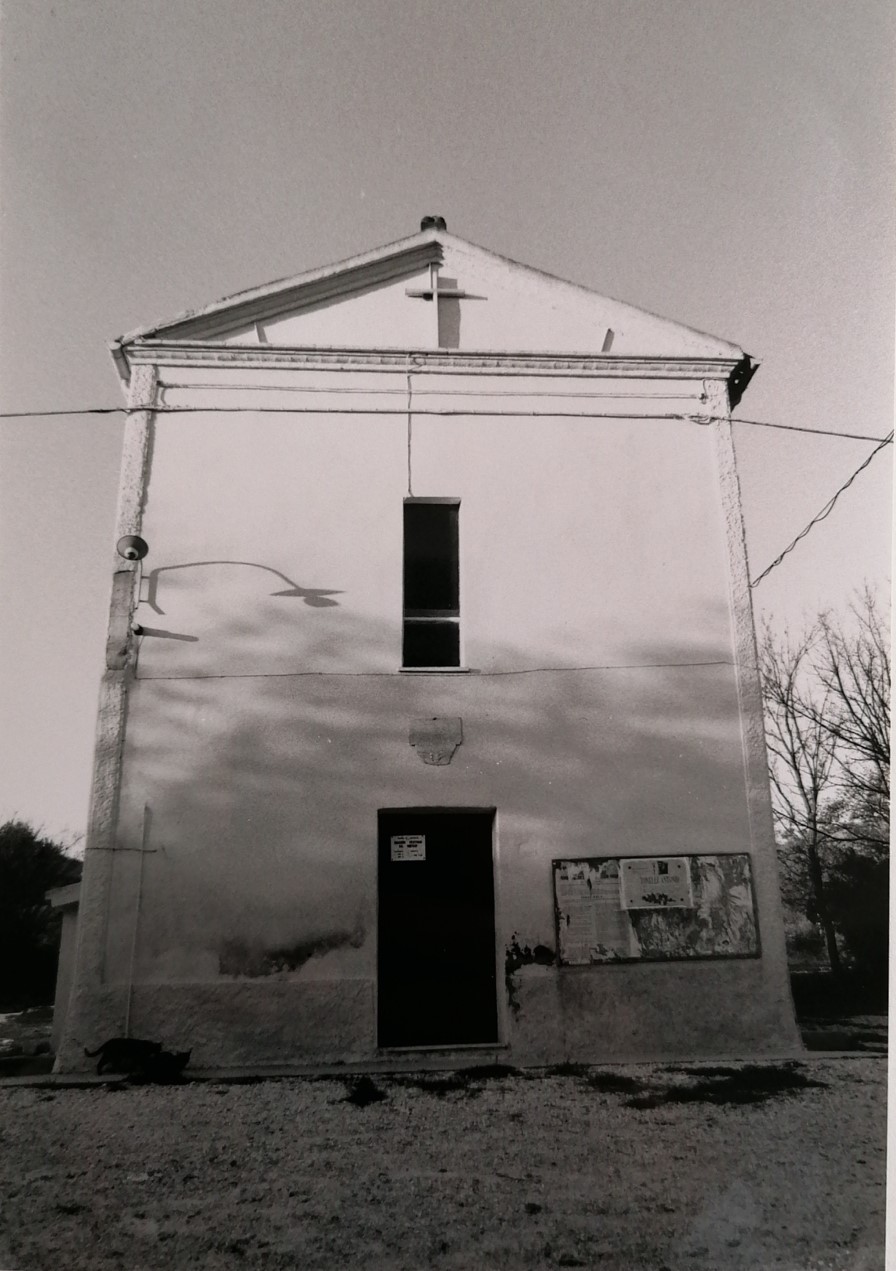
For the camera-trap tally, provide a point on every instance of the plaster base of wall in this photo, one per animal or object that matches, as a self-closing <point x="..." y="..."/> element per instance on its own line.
<point x="233" y="1023"/>
<point x="591" y="1015"/>
<point x="707" y="1009"/>
<point x="626" y="1013"/>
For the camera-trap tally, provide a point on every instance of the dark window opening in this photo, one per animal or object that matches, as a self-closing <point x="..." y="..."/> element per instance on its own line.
<point x="431" y="643"/>
<point x="431" y="585"/>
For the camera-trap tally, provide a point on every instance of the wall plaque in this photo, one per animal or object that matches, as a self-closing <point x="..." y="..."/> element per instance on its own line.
<point x="663" y="908"/>
<point x="436" y="739"/>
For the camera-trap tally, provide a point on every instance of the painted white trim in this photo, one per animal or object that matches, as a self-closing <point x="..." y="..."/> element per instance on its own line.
<point x="763" y="850"/>
<point x="323" y="289"/>
<point x="344" y="277"/>
<point x="339" y="278"/>
<point x="601" y="366"/>
<point x="745" y="651"/>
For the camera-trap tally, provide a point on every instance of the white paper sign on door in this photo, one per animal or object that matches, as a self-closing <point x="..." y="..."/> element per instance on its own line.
<point x="408" y="847"/>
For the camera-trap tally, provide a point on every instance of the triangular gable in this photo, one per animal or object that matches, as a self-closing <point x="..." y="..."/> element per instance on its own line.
<point x="383" y="299"/>
<point x="316" y="286"/>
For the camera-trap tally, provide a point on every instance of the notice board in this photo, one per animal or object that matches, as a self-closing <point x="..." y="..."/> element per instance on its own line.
<point x="654" y="908"/>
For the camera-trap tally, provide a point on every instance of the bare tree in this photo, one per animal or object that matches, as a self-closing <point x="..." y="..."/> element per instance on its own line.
<point x="854" y="672"/>
<point x="802" y="757"/>
<point x="827" y="703"/>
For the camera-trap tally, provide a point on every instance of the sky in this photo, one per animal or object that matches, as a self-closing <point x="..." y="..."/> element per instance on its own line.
<point x="729" y="166"/>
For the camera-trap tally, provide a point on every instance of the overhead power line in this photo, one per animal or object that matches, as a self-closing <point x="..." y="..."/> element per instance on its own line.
<point x="695" y="417"/>
<point x="818" y="432"/>
<point x="823" y="514"/>
<point x="49" y="414"/>
<point x="692" y="418"/>
<point x="462" y="412"/>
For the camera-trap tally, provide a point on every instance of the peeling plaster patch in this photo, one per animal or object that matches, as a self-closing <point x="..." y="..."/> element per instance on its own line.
<point x="237" y="958"/>
<point x="435" y="740"/>
<point x="517" y="956"/>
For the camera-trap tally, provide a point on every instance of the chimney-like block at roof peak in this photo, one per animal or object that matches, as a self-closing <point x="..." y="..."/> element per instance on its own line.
<point x="434" y="222"/>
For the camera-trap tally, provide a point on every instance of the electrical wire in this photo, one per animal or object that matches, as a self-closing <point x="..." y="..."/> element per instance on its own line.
<point x="695" y="417"/>
<point x="379" y="675"/>
<point x="823" y="514"/>
<point x="367" y="391"/>
<point x="49" y="414"/>
<point x="406" y="411"/>
<point x="818" y="432"/>
<point x="465" y="413"/>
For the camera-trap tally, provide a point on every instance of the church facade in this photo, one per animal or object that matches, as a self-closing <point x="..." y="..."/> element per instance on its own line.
<point x="430" y="728"/>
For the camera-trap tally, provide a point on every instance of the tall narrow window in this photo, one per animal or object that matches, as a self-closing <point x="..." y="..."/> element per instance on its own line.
<point x="431" y="583"/>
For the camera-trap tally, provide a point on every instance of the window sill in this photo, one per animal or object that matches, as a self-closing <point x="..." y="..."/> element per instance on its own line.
<point x="436" y="670"/>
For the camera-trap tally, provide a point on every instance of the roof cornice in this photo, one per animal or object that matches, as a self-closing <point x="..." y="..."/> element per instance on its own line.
<point x="485" y="362"/>
<point x="312" y="287"/>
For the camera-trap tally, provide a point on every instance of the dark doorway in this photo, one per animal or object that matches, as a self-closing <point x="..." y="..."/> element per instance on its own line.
<point x="436" y="962"/>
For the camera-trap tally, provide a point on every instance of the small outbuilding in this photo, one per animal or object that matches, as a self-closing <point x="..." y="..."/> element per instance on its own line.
<point x="66" y="900"/>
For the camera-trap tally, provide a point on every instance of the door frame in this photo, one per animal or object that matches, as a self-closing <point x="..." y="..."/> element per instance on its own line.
<point x="500" y="1004"/>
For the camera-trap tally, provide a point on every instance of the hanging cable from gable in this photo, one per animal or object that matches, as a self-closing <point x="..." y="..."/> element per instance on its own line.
<point x="410" y="426"/>
<point x="823" y="514"/>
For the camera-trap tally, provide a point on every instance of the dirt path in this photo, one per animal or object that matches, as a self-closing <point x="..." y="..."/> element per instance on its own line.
<point x="732" y="1170"/>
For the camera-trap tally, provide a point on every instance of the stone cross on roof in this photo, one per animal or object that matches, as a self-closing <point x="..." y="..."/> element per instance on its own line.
<point x="446" y="295"/>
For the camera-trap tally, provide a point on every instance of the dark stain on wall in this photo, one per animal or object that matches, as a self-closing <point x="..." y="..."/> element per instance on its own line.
<point x="239" y="958"/>
<point x="516" y="956"/>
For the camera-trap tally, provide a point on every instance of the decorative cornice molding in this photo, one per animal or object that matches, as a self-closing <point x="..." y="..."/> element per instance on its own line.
<point x="194" y="353"/>
<point x="317" y="286"/>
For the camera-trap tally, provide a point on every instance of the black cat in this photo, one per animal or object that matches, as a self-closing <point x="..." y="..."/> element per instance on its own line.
<point x="161" y="1068"/>
<point x="123" y="1054"/>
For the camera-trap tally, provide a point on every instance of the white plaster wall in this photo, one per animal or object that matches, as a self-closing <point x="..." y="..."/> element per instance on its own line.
<point x="523" y="309"/>
<point x="507" y="307"/>
<point x="275" y="539"/>
<point x="242" y="508"/>
<point x="263" y="794"/>
<point x="583" y="542"/>
<point x="264" y="732"/>
<point x="381" y="315"/>
<point x="263" y="797"/>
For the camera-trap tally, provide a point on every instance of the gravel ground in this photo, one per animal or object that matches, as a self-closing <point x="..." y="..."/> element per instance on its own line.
<point x="634" y="1169"/>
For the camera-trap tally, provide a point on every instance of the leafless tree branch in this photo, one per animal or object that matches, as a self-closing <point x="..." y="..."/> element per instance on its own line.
<point x="827" y="706"/>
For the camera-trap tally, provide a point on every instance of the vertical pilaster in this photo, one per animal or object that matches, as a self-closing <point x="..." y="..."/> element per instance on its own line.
<point x="749" y="692"/>
<point x="85" y="1013"/>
